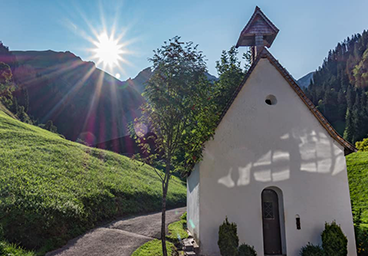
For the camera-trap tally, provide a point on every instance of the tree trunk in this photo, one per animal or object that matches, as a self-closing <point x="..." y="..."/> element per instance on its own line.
<point x="165" y="186"/>
<point x="163" y="225"/>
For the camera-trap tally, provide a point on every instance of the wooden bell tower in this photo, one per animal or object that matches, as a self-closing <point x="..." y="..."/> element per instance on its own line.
<point x="258" y="33"/>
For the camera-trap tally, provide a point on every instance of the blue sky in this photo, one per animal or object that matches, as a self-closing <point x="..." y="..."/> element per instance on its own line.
<point x="308" y="29"/>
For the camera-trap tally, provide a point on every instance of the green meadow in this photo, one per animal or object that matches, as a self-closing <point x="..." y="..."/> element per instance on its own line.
<point x="357" y="164"/>
<point x="52" y="189"/>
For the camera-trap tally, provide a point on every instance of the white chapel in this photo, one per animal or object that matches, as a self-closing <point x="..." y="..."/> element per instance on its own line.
<point x="275" y="166"/>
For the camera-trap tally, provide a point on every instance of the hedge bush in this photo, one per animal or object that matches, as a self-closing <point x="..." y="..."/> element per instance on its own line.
<point x="246" y="250"/>
<point x="312" y="250"/>
<point x="228" y="239"/>
<point x="2" y="249"/>
<point x="334" y="242"/>
<point x="361" y="236"/>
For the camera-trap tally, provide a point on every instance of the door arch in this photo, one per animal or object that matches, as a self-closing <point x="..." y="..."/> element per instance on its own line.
<point x="272" y="226"/>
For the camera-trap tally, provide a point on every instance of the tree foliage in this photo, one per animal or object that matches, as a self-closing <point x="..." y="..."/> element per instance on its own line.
<point x="52" y="128"/>
<point x="8" y="85"/>
<point x="7" y="57"/>
<point x="180" y="107"/>
<point x="230" y="74"/>
<point x="5" y="75"/>
<point x="179" y="112"/>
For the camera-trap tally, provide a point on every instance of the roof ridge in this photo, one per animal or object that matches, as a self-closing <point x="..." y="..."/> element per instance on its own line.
<point x="267" y="19"/>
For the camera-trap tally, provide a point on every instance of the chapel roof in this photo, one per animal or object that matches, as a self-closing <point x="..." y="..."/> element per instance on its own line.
<point x="348" y="147"/>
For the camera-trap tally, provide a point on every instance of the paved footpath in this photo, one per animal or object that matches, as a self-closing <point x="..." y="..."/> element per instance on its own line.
<point x="119" y="238"/>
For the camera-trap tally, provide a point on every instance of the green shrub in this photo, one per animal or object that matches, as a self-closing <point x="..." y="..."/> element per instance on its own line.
<point x="361" y="236"/>
<point x="7" y="249"/>
<point x="228" y="239"/>
<point x="362" y="145"/>
<point x="184" y="216"/>
<point x="2" y="249"/>
<point x="246" y="250"/>
<point x="334" y="242"/>
<point x="312" y="250"/>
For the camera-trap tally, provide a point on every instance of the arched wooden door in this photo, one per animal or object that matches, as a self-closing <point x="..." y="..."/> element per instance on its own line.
<point x="271" y="223"/>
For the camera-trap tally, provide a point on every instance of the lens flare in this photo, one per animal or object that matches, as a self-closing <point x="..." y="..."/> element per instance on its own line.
<point x="140" y="129"/>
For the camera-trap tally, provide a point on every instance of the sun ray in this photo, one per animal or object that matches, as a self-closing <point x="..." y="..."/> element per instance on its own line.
<point x="89" y="122"/>
<point x="70" y="94"/>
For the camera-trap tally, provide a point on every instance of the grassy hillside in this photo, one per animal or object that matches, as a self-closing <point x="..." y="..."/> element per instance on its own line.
<point x="358" y="182"/>
<point x="52" y="189"/>
<point x="6" y="111"/>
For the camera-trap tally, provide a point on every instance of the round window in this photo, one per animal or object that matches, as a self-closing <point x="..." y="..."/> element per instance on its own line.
<point x="271" y="100"/>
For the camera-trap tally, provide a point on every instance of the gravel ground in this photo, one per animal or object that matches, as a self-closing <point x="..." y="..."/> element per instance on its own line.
<point x="119" y="238"/>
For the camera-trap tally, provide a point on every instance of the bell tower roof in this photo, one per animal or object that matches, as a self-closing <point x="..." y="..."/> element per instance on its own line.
<point x="259" y="31"/>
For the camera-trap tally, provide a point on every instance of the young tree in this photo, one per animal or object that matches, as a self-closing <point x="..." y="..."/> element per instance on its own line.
<point x="230" y="75"/>
<point x="179" y="112"/>
<point x="50" y="126"/>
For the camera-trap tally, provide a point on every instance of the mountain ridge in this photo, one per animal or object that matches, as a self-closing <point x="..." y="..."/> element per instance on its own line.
<point x="83" y="101"/>
<point x="305" y="80"/>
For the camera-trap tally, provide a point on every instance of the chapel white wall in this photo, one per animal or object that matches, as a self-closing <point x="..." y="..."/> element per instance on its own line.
<point x="193" y="202"/>
<point x="258" y="146"/>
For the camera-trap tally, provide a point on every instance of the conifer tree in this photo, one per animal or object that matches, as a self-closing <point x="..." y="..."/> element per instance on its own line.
<point x="341" y="100"/>
<point x="349" y="127"/>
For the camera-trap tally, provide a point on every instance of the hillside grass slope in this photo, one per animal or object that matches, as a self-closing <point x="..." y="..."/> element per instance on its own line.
<point x="357" y="164"/>
<point x="52" y="189"/>
<point x="6" y="111"/>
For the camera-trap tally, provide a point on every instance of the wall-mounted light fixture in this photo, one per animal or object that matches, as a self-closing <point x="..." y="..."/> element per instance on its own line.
<point x="298" y="225"/>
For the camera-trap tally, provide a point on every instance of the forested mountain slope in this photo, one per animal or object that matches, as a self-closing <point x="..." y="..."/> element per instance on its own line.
<point x="82" y="101"/>
<point x="340" y="87"/>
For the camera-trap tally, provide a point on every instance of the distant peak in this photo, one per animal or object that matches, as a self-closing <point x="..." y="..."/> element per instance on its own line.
<point x="145" y="71"/>
<point x="144" y="74"/>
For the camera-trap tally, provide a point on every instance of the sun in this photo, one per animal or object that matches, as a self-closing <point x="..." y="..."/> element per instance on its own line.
<point x="108" y="50"/>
